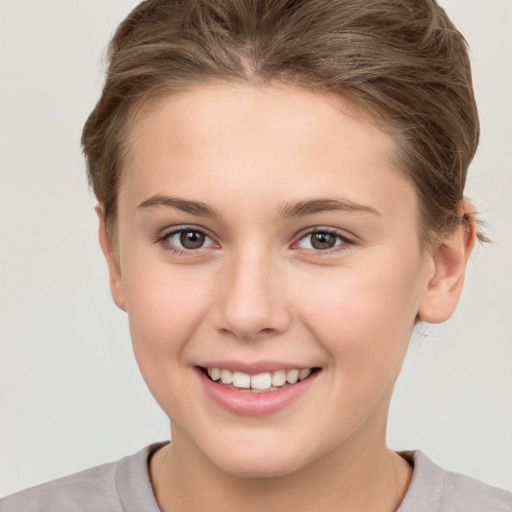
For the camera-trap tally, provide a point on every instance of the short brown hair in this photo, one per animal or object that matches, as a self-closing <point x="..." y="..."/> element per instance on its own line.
<point x="401" y="61"/>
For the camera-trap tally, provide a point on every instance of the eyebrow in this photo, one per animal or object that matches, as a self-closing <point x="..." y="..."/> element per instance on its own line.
<point x="299" y="209"/>
<point x="185" y="205"/>
<point x="322" y="205"/>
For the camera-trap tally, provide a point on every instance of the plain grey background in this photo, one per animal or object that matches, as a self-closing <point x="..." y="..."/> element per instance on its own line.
<point x="70" y="392"/>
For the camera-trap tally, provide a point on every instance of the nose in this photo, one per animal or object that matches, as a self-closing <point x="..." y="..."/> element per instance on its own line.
<point x="251" y="302"/>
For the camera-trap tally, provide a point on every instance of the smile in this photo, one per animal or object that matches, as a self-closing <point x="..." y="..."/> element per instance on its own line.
<point x="256" y="389"/>
<point x="262" y="382"/>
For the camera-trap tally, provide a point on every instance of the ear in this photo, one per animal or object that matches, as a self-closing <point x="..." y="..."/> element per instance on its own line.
<point x="449" y="258"/>
<point x="114" y="269"/>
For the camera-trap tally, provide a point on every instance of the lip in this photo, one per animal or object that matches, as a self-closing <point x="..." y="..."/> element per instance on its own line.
<point x="245" y="403"/>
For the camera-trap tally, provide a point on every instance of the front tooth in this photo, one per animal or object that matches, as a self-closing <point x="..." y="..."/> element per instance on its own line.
<point x="292" y="376"/>
<point x="214" y="373"/>
<point x="306" y="372"/>
<point x="279" y="378"/>
<point x="241" y="380"/>
<point x="261" y="381"/>
<point x="226" y="376"/>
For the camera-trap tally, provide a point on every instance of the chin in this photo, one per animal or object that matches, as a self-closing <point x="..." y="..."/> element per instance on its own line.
<point x="257" y="463"/>
<point x="266" y="469"/>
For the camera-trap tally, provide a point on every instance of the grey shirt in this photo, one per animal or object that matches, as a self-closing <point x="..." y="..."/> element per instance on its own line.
<point x="124" y="486"/>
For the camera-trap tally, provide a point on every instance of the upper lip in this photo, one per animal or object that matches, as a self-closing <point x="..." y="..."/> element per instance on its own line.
<point x="254" y="367"/>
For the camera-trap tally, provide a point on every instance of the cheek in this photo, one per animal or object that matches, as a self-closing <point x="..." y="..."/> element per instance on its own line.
<point x="165" y="305"/>
<point x="364" y="317"/>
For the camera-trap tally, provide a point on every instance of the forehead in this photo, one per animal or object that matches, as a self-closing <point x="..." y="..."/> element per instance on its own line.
<point x="258" y="140"/>
<point x="208" y="111"/>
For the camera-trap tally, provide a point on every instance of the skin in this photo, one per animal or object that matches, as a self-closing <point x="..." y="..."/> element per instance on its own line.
<point x="258" y="290"/>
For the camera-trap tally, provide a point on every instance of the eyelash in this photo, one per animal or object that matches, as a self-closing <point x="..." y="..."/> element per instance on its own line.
<point x="163" y="240"/>
<point x="345" y="244"/>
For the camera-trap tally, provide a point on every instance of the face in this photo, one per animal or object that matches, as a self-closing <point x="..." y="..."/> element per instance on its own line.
<point x="263" y="231"/>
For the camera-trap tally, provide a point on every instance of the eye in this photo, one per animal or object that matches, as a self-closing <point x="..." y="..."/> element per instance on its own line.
<point x="186" y="239"/>
<point x="322" y="240"/>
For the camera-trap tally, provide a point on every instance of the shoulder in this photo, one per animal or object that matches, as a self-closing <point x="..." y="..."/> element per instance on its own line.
<point x="93" y="489"/>
<point x="103" y="488"/>
<point x="433" y="489"/>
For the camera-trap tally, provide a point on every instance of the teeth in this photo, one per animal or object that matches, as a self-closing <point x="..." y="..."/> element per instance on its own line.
<point x="226" y="377"/>
<point x="279" y="378"/>
<point x="241" y="380"/>
<point x="262" y="381"/>
<point x="304" y="373"/>
<point x="292" y="376"/>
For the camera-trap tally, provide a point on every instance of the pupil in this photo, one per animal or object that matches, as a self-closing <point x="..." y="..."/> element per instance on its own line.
<point x="323" y="240"/>
<point x="191" y="239"/>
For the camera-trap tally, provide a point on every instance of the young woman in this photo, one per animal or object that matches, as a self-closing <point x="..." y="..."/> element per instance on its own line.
<point x="281" y="201"/>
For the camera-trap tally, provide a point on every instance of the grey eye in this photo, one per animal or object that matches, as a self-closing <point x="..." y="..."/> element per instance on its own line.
<point x="189" y="239"/>
<point x="321" y="240"/>
<point x="192" y="239"/>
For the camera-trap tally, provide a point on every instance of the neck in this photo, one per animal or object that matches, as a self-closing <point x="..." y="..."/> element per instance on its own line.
<point x="359" y="476"/>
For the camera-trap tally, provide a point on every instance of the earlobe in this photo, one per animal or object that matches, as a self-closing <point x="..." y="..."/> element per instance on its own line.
<point x="449" y="258"/>
<point x="114" y="269"/>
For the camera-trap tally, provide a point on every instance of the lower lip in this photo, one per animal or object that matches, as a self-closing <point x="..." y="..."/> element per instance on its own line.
<point x="246" y="403"/>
